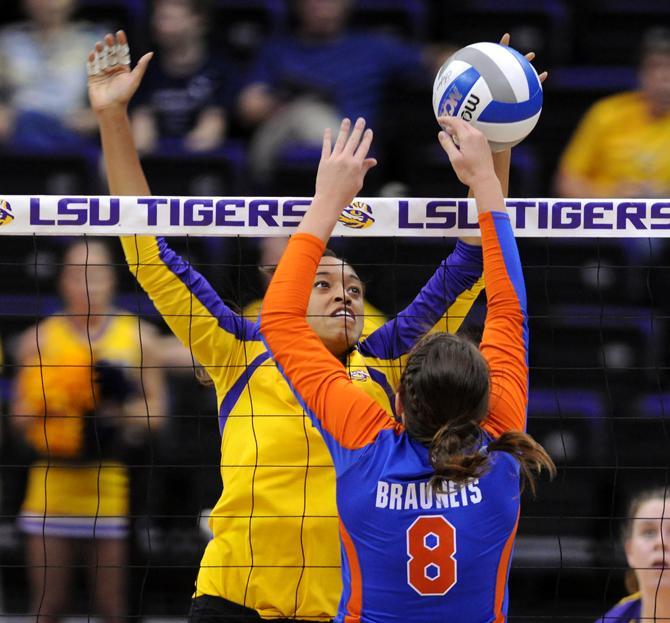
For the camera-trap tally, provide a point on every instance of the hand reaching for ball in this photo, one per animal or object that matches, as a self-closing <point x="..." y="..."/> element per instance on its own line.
<point x="468" y="151"/>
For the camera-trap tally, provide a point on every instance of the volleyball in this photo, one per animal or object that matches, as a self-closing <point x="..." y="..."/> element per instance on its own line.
<point x="493" y="87"/>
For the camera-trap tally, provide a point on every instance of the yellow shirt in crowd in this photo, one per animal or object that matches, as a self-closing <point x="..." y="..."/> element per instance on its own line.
<point x="619" y="144"/>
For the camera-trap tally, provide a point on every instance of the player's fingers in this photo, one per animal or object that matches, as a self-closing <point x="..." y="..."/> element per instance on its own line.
<point x="90" y="65"/>
<point x="141" y="67"/>
<point x="122" y="48"/>
<point x="327" y="143"/>
<point x="448" y="145"/>
<point x="530" y="56"/>
<point x="455" y="126"/>
<point x="355" y="136"/>
<point x="364" y="146"/>
<point x="543" y="76"/>
<point x="342" y="136"/>
<point x="104" y="53"/>
<point x="369" y="163"/>
<point x="504" y="40"/>
<point x="93" y="64"/>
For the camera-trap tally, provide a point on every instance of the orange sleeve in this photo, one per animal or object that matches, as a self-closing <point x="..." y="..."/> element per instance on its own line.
<point x="505" y="340"/>
<point x="346" y="416"/>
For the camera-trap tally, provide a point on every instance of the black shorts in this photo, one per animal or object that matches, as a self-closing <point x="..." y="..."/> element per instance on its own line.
<point x="208" y="609"/>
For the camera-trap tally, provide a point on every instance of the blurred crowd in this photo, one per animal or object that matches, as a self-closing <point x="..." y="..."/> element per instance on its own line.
<point x="249" y="86"/>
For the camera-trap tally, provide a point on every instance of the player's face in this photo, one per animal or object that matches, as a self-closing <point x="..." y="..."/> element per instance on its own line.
<point x="648" y="548"/>
<point x="87" y="281"/>
<point x="655" y="80"/>
<point x="335" y="309"/>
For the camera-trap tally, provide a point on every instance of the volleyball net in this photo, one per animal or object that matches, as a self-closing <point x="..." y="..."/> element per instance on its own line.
<point x="596" y="274"/>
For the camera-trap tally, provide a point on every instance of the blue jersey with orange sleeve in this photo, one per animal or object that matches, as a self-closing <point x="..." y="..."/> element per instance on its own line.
<point x="275" y="546"/>
<point x="410" y="553"/>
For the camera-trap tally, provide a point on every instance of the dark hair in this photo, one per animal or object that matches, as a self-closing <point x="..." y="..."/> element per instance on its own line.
<point x="444" y="391"/>
<point x="656" y="40"/>
<point x="269" y="269"/>
<point x="653" y="493"/>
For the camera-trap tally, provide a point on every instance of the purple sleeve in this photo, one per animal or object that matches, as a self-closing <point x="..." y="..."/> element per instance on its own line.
<point x="628" y="609"/>
<point x="455" y="275"/>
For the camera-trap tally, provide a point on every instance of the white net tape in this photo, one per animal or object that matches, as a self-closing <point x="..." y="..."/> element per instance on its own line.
<point x="365" y="217"/>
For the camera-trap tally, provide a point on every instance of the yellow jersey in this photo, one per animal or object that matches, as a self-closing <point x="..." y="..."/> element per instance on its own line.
<point x="275" y="545"/>
<point x="68" y="494"/>
<point x="618" y="142"/>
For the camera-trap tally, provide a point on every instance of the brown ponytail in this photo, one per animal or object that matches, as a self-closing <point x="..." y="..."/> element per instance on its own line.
<point x="449" y="460"/>
<point x="532" y="457"/>
<point x="451" y="463"/>
<point x="444" y="391"/>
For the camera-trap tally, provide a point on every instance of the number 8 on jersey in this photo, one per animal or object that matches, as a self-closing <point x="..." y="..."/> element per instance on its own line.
<point x="431" y="545"/>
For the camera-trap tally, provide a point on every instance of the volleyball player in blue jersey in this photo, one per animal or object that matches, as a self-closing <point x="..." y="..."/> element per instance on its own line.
<point x="428" y="508"/>
<point x="275" y="551"/>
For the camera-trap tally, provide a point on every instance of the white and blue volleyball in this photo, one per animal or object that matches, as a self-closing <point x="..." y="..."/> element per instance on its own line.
<point x="493" y="87"/>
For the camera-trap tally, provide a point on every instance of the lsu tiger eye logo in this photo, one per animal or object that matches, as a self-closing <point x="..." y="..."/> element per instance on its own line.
<point x="359" y="375"/>
<point x="358" y="215"/>
<point x="6" y="216"/>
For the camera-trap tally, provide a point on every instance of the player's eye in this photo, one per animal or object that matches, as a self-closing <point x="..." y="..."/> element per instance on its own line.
<point x="355" y="290"/>
<point x="321" y="284"/>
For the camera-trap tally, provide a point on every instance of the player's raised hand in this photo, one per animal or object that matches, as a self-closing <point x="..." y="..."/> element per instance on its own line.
<point x="111" y="83"/>
<point x="343" y="166"/>
<point x="468" y="151"/>
<point x="530" y="56"/>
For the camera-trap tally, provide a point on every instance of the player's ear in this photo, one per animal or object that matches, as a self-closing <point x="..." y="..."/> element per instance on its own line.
<point x="399" y="409"/>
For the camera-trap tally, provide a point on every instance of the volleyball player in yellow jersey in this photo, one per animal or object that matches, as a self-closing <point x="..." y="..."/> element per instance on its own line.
<point x="275" y="551"/>
<point x="77" y="498"/>
<point x="271" y="252"/>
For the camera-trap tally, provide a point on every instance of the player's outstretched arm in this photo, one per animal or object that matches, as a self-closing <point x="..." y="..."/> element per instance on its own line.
<point x="348" y="418"/>
<point x="340" y="176"/>
<point x="195" y="313"/>
<point x="441" y="305"/>
<point x="111" y="85"/>
<point x="505" y="339"/>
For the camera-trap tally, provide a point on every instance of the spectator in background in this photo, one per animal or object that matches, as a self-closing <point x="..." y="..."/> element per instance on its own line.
<point x="182" y="103"/>
<point x="646" y="539"/>
<point x="43" y="81"/>
<point x="621" y="147"/>
<point x="309" y="80"/>
<point x="88" y="387"/>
